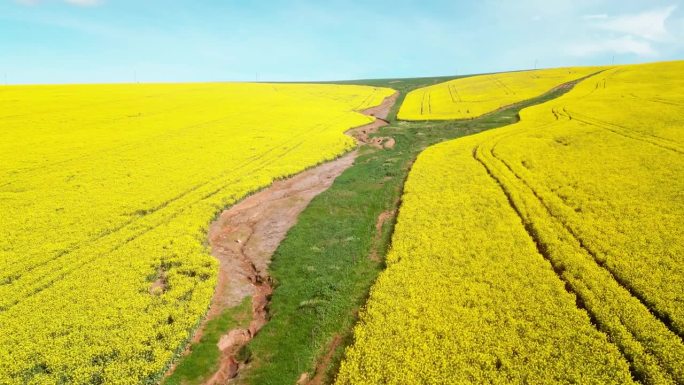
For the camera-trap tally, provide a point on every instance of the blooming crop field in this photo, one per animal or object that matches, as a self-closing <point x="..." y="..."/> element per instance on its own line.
<point x="548" y="251"/>
<point x="107" y="189"/>
<point x="474" y="96"/>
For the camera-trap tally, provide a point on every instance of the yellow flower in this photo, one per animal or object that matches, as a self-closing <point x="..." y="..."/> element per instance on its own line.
<point x="103" y="187"/>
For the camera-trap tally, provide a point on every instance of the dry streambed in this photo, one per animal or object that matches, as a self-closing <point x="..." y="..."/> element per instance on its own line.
<point x="245" y="236"/>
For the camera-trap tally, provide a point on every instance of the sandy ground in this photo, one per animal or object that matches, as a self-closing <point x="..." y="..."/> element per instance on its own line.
<point x="245" y="236"/>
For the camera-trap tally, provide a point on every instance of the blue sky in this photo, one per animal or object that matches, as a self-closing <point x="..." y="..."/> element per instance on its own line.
<point x="86" y="41"/>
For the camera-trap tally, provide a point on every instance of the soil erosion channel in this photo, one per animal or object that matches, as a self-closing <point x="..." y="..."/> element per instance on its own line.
<point x="246" y="235"/>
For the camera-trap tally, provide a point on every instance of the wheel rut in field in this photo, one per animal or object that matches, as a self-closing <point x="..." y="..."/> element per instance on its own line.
<point x="542" y="250"/>
<point x="363" y="134"/>
<point x="244" y="237"/>
<point x="615" y="275"/>
<point x="565" y="87"/>
<point x="641" y="367"/>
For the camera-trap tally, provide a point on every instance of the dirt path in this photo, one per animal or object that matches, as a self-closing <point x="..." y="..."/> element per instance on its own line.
<point x="362" y="134"/>
<point x="246" y="235"/>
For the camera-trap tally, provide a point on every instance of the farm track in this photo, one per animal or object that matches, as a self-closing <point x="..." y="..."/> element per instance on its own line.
<point x="542" y="249"/>
<point x="626" y="132"/>
<point x="245" y="236"/>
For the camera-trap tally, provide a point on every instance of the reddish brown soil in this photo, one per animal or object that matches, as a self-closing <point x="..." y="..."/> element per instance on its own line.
<point x="246" y="235"/>
<point x="383" y="109"/>
<point x="243" y="239"/>
<point x="382" y="219"/>
<point x="363" y="133"/>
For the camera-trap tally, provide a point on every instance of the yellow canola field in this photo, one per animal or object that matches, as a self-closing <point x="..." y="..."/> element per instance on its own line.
<point x="474" y="96"/>
<point x="548" y="251"/>
<point x="105" y="189"/>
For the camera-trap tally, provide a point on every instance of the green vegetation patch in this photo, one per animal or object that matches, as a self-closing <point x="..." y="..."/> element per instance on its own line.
<point x="203" y="359"/>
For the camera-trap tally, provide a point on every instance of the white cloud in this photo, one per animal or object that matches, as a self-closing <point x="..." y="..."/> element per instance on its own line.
<point x="648" y="25"/>
<point x="642" y="34"/>
<point x="622" y="45"/>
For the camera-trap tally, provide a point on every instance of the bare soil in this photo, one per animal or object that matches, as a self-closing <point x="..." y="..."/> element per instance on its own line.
<point x="363" y="133"/>
<point x="245" y="236"/>
<point x="382" y="219"/>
